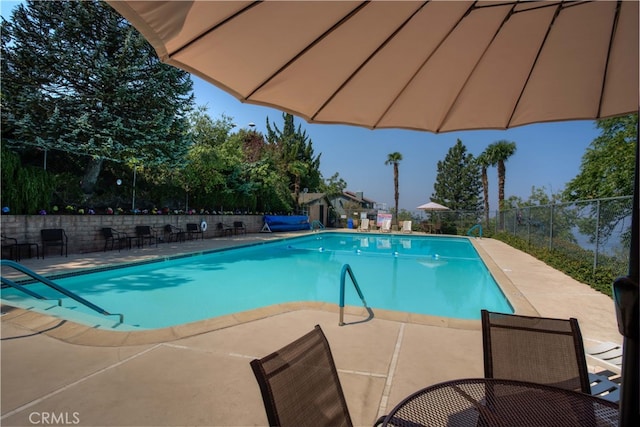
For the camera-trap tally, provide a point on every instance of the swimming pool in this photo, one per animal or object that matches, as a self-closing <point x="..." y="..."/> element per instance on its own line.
<point x="432" y="275"/>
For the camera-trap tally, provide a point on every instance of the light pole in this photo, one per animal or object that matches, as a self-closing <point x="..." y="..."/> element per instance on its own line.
<point x="133" y="198"/>
<point x="118" y="183"/>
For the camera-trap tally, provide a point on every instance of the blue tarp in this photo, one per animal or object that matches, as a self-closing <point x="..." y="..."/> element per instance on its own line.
<point x="287" y="223"/>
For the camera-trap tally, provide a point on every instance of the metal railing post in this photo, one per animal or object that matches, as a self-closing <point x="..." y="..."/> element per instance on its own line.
<point x="347" y="269"/>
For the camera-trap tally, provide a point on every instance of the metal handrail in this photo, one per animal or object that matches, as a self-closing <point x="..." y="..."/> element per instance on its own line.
<point x="52" y="285"/>
<point x="317" y="224"/>
<point x="29" y="292"/>
<point x="347" y="269"/>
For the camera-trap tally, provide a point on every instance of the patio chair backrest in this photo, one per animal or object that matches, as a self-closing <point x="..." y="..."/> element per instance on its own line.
<point x="292" y="379"/>
<point x="536" y="349"/>
<point x="193" y="227"/>
<point x="143" y="230"/>
<point x="53" y="235"/>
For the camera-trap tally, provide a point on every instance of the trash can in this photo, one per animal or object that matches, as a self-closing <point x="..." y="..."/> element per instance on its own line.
<point x="350" y="223"/>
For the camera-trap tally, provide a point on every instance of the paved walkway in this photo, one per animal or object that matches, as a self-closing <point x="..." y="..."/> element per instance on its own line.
<point x="203" y="378"/>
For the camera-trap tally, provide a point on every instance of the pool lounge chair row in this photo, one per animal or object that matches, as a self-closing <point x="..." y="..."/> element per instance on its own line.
<point x="386" y="226"/>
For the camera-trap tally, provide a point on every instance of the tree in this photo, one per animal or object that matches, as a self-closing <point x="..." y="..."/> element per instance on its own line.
<point x="297" y="168"/>
<point x="35" y="188"/>
<point x="78" y="78"/>
<point x="333" y="186"/>
<point x="485" y="161"/>
<point x="607" y="170"/>
<point x="210" y="160"/>
<point x="394" y="159"/>
<point x="458" y="183"/>
<point x="607" y="167"/>
<point x="498" y="153"/>
<point x="293" y="145"/>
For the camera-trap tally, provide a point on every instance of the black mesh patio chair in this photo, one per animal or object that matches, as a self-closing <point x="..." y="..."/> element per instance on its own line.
<point x="238" y="227"/>
<point x="535" y="349"/>
<point x="300" y="385"/>
<point x="223" y="230"/>
<point x="173" y="233"/>
<point x="194" y="229"/>
<point x="145" y="232"/>
<point x="54" y="237"/>
<point x="111" y="236"/>
<point x="10" y="248"/>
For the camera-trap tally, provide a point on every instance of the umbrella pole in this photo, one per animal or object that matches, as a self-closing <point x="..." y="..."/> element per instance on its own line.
<point x="625" y="296"/>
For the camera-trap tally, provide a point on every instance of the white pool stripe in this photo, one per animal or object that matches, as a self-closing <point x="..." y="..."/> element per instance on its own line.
<point x="73" y="384"/>
<point x="392" y="369"/>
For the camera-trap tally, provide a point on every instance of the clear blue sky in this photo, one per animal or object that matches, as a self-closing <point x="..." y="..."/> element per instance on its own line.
<point x="547" y="155"/>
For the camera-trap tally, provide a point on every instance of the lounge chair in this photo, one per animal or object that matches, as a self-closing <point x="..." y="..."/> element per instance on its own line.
<point x="604" y="388"/>
<point x="364" y="225"/>
<point x="300" y="385"/>
<point x="386" y="226"/>
<point x="606" y="355"/>
<point x="406" y="227"/>
<point x="536" y="349"/>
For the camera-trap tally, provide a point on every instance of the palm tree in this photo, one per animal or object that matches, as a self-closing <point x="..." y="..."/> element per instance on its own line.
<point x="297" y="168"/>
<point x="500" y="151"/>
<point x="394" y="159"/>
<point x="485" y="161"/>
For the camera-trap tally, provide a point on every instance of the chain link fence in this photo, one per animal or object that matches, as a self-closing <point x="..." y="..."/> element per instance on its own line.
<point x="596" y="229"/>
<point x="596" y="232"/>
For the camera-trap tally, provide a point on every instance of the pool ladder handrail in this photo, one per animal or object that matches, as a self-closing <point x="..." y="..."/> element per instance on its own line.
<point x="52" y="285"/>
<point x="316" y="225"/>
<point x="347" y="269"/>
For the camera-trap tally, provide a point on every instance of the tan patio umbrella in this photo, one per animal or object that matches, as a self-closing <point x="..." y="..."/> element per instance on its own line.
<point x="428" y="65"/>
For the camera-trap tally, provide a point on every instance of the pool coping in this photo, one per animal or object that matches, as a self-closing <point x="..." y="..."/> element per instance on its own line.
<point x="76" y="333"/>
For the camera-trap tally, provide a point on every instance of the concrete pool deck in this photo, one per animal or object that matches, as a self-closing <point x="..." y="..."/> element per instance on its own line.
<point x="53" y="370"/>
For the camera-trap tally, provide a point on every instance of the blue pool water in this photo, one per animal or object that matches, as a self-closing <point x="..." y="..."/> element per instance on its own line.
<point x="440" y="276"/>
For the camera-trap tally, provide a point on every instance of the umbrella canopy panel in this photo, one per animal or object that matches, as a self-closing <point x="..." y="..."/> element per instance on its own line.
<point x="433" y="206"/>
<point x="437" y="65"/>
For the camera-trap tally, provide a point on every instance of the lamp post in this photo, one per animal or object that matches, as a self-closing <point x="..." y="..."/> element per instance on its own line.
<point x="118" y="183"/>
<point x="133" y="197"/>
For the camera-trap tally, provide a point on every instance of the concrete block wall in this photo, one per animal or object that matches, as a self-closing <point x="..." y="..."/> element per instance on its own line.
<point x="84" y="231"/>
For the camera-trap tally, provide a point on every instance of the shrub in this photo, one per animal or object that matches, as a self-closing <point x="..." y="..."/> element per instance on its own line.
<point x="570" y="259"/>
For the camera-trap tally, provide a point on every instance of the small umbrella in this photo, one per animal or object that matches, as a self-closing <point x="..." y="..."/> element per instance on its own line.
<point x="433" y="206"/>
